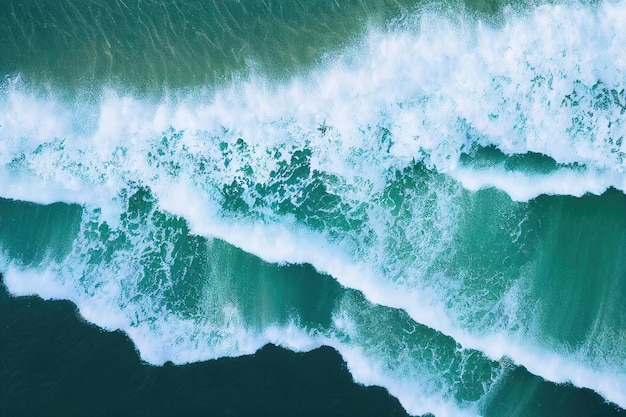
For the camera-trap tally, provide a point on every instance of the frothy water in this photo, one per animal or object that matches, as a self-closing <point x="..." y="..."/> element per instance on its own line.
<point x="437" y="176"/>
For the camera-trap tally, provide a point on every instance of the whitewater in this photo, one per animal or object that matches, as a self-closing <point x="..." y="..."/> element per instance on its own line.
<point x="375" y="166"/>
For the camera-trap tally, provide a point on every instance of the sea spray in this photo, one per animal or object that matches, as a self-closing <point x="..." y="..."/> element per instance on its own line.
<point x="371" y="168"/>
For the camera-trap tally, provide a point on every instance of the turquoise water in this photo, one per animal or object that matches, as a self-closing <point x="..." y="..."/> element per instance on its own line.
<point x="435" y="191"/>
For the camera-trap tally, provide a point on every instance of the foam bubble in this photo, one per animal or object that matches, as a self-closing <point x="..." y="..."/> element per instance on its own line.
<point x="367" y="371"/>
<point x="523" y="187"/>
<point x="550" y="90"/>
<point x="103" y="295"/>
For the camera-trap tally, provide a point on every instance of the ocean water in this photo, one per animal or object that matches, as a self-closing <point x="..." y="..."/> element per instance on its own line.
<point x="436" y="191"/>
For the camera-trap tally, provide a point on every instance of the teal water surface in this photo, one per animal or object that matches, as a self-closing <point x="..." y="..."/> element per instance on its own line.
<point x="434" y="191"/>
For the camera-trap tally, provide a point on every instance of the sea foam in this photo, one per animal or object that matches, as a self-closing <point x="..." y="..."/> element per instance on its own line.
<point x="549" y="81"/>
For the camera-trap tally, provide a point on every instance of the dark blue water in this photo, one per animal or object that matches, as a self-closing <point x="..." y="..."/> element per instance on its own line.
<point x="54" y="364"/>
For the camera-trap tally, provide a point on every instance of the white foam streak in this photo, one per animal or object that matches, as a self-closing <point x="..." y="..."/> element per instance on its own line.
<point x="431" y="89"/>
<point x="184" y="341"/>
<point x="556" y="367"/>
<point x="368" y="372"/>
<point x="438" y="91"/>
<point x="291" y="244"/>
<point x="523" y="187"/>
